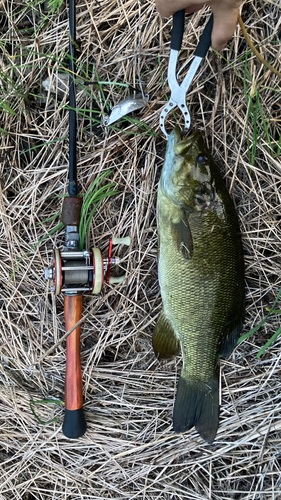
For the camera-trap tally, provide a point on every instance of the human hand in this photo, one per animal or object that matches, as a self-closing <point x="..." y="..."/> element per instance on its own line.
<point x="225" y="16"/>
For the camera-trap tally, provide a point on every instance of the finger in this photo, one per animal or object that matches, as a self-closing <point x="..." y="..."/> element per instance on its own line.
<point x="225" y="22"/>
<point x="168" y="7"/>
<point x="194" y="8"/>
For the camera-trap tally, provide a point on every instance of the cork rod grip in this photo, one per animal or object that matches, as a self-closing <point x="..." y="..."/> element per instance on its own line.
<point x="74" y="424"/>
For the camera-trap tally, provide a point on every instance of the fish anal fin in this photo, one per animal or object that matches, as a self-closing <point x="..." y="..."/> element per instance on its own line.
<point x="230" y="339"/>
<point x="197" y="404"/>
<point x="164" y="341"/>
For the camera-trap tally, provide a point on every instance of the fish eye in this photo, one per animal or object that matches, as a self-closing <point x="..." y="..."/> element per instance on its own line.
<point x="200" y="200"/>
<point x="201" y="159"/>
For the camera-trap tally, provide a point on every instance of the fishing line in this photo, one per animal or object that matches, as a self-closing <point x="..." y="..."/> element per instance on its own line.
<point x="126" y="85"/>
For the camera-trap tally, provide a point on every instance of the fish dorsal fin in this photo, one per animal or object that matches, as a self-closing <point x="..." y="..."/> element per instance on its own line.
<point x="184" y="236"/>
<point x="165" y="342"/>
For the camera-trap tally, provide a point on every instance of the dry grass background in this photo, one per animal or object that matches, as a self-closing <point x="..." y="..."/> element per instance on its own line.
<point x="129" y="450"/>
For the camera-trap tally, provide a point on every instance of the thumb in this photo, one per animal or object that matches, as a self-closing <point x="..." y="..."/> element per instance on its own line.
<point x="225" y="21"/>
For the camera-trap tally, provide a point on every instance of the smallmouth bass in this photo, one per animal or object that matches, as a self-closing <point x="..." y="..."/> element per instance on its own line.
<point x="201" y="277"/>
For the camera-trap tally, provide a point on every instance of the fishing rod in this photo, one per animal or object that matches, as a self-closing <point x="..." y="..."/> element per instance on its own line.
<point x="73" y="270"/>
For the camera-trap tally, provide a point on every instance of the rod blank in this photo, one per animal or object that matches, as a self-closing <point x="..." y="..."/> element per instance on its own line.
<point x="72" y="187"/>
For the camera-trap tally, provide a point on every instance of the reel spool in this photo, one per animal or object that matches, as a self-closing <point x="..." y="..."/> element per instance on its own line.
<point x="76" y="271"/>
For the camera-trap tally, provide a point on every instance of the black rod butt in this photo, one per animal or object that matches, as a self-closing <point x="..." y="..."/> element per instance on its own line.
<point x="74" y="425"/>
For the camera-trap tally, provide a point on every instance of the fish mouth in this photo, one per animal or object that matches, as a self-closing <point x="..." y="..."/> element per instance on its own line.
<point x="174" y="138"/>
<point x="180" y="143"/>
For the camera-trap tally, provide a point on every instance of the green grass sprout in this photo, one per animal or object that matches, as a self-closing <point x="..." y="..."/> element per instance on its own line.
<point x="147" y="130"/>
<point x="269" y="343"/>
<point x="257" y="327"/>
<point x="41" y="402"/>
<point x="91" y="200"/>
<point x="257" y="124"/>
<point x="274" y="311"/>
<point x="5" y="107"/>
<point x="54" y="7"/>
<point x="47" y="143"/>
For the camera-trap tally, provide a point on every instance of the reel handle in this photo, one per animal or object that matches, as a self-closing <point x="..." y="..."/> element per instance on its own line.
<point x="74" y="425"/>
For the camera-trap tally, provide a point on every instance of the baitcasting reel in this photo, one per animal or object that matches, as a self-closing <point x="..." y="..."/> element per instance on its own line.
<point x="77" y="271"/>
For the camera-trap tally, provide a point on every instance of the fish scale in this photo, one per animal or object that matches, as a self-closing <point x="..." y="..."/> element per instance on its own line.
<point x="201" y="277"/>
<point x="191" y="314"/>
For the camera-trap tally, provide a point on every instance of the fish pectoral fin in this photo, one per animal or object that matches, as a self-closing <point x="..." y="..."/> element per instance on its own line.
<point x="164" y="341"/>
<point x="184" y="236"/>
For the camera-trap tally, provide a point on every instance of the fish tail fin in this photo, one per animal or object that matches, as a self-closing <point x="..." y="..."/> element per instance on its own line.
<point x="197" y="404"/>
